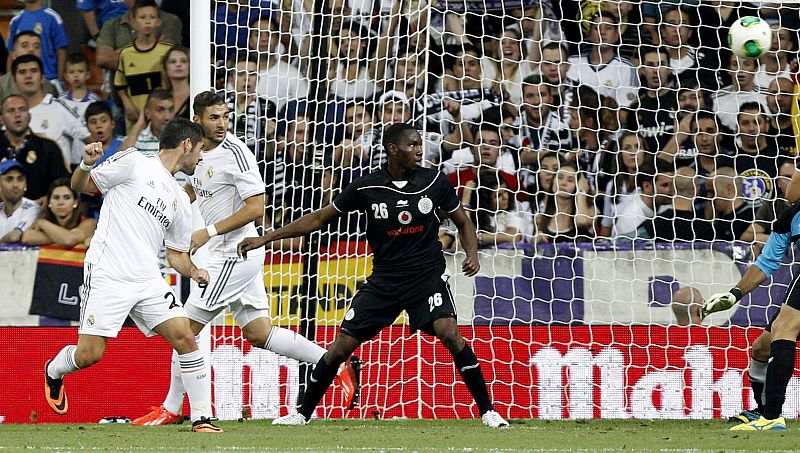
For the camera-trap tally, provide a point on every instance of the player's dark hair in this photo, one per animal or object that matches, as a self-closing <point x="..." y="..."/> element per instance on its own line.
<point x="394" y="133"/>
<point x="78" y="58"/>
<point x="179" y="130"/>
<point x="205" y="100"/>
<point x="22" y="59"/>
<point x="139" y="4"/>
<point x="97" y="108"/>
<point x="159" y="94"/>
<point x="21" y="34"/>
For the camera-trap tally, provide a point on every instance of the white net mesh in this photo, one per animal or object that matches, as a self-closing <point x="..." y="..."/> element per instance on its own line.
<point x="621" y="165"/>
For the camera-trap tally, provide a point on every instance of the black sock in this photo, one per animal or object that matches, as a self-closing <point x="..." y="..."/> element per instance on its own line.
<point x="470" y="371"/>
<point x="321" y="379"/>
<point x="781" y="367"/>
<point x="758" y="390"/>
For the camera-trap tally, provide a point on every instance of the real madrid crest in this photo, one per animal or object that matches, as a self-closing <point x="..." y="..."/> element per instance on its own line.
<point x="210" y="172"/>
<point x="31" y="157"/>
<point x="90" y="320"/>
<point x="45" y="124"/>
<point x="174" y="204"/>
<point x="425" y="205"/>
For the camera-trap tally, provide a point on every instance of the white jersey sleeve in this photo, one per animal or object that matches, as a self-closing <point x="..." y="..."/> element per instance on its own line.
<point x="115" y="169"/>
<point x="244" y="175"/>
<point x="179" y="234"/>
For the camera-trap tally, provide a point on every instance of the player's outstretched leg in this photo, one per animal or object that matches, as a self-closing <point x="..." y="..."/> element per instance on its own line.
<point x="464" y="358"/>
<point x="262" y="334"/>
<point x="321" y="379"/>
<point x="757" y="374"/>
<point x="781" y="366"/>
<point x="70" y="359"/>
<point x="169" y="412"/>
<point x="194" y="371"/>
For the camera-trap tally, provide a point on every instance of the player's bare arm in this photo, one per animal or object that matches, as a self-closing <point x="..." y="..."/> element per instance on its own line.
<point x="81" y="182"/>
<point x="300" y="227"/>
<point x="252" y="211"/>
<point x="469" y="240"/>
<point x="793" y="190"/>
<point x="181" y="262"/>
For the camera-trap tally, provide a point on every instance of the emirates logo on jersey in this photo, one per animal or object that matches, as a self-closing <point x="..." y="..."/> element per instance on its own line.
<point x="404" y="217"/>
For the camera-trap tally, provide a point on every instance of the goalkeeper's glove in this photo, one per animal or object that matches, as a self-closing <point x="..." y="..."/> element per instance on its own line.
<point x="721" y="301"/>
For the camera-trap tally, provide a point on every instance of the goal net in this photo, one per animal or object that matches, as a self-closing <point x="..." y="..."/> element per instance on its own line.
<point x="620" y="162"/>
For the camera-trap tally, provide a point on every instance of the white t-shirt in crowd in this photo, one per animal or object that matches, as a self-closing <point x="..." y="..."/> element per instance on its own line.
<point x="727" y="103"/>
<point x="617" y="79"/>
<point x="630" y="216"/>
<point x="144" y="209"/>
<point x="22" y="218"/>
<point x="282" y="83"/>
<point x="54" y="119"/>
<point x="227" y="175"/>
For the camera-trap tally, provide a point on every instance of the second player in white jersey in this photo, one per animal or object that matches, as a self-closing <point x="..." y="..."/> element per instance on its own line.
<point x="229" y="191"/>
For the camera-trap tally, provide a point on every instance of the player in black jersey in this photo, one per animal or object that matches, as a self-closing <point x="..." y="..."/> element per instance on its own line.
<point x="404" y="204"/>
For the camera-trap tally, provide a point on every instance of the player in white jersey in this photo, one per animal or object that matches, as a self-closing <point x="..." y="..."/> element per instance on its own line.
<point x="230" y="193"/>
<point x="144" y="208"/>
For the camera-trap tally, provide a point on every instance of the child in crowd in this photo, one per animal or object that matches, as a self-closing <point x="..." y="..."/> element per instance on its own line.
<point x="77" y="74"/>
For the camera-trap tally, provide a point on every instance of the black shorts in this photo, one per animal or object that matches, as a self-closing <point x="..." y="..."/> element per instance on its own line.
<point x="425" y="297"/>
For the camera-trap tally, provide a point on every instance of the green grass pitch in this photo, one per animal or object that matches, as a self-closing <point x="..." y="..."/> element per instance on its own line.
<point x="405" y="435"/>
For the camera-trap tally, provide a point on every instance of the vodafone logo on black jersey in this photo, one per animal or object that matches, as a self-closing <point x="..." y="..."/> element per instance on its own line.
<point x="404" y="217"/>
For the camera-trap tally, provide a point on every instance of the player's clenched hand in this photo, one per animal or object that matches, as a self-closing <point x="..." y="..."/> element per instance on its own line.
<point x="199" y="239"/>
<point x="719" y="302"/>
<point x="471" y="265"/>
<point x="201" y="276"/>
<point x="249" y="244"/>
<point x="92" y="153"/>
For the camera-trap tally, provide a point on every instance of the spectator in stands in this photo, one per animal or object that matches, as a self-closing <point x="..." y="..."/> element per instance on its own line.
<point x="707" y="143"/>
<point x="601" y="68"/>
<point x="49" y="26"/>
<point x="486" y="135"/>
<point x="17" y="213"/>
<point x="231" y="21"/>
<point x="175" y="78"/>
<point x="95" y="13"/>
<point x="776" y="63"/>
<point x="693" y="65"/>
<point x="50" y="116"/>
<point x="118" y="33"/>
<point x="40" y="156"/>
<point x="554" y="68"/>
<point x="756" y="159"/>
<point x="278" y="80"/>
<point x="158" y="111"/>
<point x="733" y="215"/>
<point x="514" y="66"/>
<point x="538" y="24"/>
<point x="692" y="99"/>
<point x="687" y="306"/>
<point x="352" y="151"/>
<point x="770" y="210"/>
<point x="25" y="43"/>
<point x="352" y="70"/>
<point x="541" y="127"/>
<point x="495" y="214"/>
<point x="657" y="102"/>
<point x="632" y="155"/>
<point x="62" y="223"/>
<point x="549" y="163"/>
<point x="100" y="122"/>
<point x="594" y="125"/>
<point x="742" y="89"/>
<point x="249" y="113"/>
<point x="570" y="213"/>
<point x="681" y="222"/>
<point x="139" y="66"/>
<point x="656" y="189"/>
<point x="780" y="100"/>
<point x="77" y="74"/>
<point x="464" y="71"/>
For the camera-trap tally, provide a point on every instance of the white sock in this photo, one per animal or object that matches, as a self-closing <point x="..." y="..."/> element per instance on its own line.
<point x="63" y="363"/>
<point x="197" y="382"/>
<point x="758" y="370"/>
<point x="293" y="345"/>
<point x="174" y="399"/>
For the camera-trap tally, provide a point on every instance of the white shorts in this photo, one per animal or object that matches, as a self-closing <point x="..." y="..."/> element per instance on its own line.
<point x="107" y="300"/>
<point x="235" y="283"/>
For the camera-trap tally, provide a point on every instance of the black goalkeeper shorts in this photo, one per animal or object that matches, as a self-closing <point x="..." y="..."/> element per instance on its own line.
<point x="425" y="297"/>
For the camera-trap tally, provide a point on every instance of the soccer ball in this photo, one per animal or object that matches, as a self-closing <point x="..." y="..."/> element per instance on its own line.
<point x="749" y="37"/>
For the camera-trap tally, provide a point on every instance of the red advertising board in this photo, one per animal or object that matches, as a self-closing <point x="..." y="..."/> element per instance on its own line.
<point x="540" y="372"/>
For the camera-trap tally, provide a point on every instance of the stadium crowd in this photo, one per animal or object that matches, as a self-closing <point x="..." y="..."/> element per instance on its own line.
<point x="556" y="121"/>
